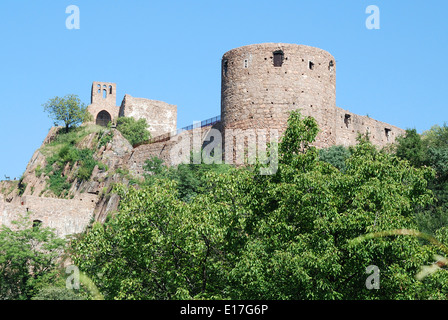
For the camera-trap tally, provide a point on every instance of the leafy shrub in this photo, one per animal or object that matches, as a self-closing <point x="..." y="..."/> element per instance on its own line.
<point x="56" y="293"/>
<point x="135" y="131"/>
<point x="106" y="137"/>
<point x="63" y="151"/>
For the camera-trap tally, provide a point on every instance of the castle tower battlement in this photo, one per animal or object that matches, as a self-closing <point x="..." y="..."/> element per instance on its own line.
<point x="103" y="102"/>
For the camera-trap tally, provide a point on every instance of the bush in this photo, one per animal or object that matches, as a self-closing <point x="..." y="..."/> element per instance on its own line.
<point x="63" y="151"/>
<point x="56" y="293"/>
<point x="135" y="131"/>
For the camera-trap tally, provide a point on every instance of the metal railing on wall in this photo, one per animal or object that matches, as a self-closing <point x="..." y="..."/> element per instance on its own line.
<point x="167" y="136"/>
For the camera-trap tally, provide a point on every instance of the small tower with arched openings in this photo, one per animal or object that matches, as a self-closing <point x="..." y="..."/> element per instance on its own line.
<point x="103" y="107"/>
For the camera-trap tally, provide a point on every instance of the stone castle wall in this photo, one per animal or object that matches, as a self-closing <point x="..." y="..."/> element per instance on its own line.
<point x="161" y="116"/>
<point x="65" y="216"/>
<point x="257" y="92"/>
<point x="348" y="125"/>
<point x="175" y="150"/>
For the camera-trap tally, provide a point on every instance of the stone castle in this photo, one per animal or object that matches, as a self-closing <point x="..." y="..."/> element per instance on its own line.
<point x="260" y="85"/>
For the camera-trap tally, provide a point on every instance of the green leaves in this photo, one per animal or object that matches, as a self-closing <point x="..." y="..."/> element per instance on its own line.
<point x="135" y="131"/>
<point x="242" y="235"/>
<point x="28" y="258"/>
<point x="68" y="110"/>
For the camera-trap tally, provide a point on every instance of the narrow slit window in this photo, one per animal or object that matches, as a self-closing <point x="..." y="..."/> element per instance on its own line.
<point x="110" y="89"/>
<point x="278" y="58"/>
<point x="331" y="65"/>
<point x="246" y="63"/>
<point x="104" y="94"/>
<point x="387" y="132"/>
<point x="225" y="66"/>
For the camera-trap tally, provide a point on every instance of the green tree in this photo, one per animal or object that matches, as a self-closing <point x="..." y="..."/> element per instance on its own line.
<point x="335" y="155"/>
<point x="28" y="259"/>
<point x="135" y="131"/>
<point x="282" y="236"/>
<point x="429" y="149"/>
<point x="437" y="136"/>
<point x="157" y="247"/>
<point x="298" y="225"/>
<point x="191" y="178"/>
<point x="410" y="146"/>
<point x="68" y="110"/>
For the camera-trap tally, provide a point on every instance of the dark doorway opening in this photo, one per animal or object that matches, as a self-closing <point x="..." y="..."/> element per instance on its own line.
<point x="103" y="118"/>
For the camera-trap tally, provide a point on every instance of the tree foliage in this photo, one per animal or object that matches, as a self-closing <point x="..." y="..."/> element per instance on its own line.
<point x="335" y="155"/>
<point x="283" y="236"/>
<point x="68" y="110"/>
<point x="135" y="131"/>
<point x="429" y="149"/>
<point x="190" y="178"/>
<point x="28" y="259"/>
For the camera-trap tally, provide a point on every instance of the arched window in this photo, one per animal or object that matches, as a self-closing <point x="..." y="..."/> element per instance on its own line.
<point x="104" y="93"/>
<point x="99" y="88"/>
<point x="110" y="89"/>
<point x="103" y="118"/>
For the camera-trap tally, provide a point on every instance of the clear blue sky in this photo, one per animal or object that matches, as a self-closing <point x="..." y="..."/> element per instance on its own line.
<point x="171" y="51"/>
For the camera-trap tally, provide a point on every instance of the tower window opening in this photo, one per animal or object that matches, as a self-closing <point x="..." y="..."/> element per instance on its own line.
<point x="104" y="94"/>
<point x="387" y="132"/>
<point x="225" y="65"/>
<point x="110" y="89"/>
<point x="331" y="65"/>
<point x="347" y="120"/>
<point x="278" y="58"/>
<point x="246" y="63"/>
<point x="311" y="65"/>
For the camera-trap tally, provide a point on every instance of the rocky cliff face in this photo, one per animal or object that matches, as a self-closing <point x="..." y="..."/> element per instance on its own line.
<point x="86" y="200"/>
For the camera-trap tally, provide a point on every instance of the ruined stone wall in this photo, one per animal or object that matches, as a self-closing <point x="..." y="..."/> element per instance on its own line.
<point x="161" y="116"/>
<point x="256" y="94"/>
<point x="65" y="216"/>
<point x="348" y="125"/>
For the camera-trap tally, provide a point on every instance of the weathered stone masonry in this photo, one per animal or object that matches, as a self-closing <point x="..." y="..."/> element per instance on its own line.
<point x="260" y="85"/>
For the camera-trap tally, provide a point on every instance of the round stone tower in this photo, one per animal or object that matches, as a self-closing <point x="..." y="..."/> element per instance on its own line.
<point x="262" y="83"/>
